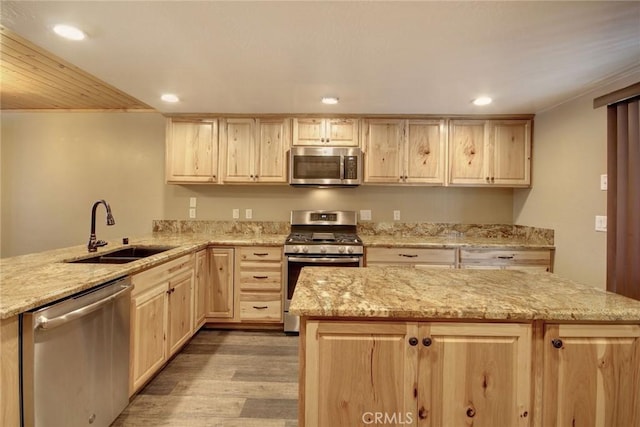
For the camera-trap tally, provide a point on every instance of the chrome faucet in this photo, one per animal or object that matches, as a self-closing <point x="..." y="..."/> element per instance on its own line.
<point x="93" y="243"/>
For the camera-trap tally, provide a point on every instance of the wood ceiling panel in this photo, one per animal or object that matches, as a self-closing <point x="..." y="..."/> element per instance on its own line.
<point x="33" y="79"/>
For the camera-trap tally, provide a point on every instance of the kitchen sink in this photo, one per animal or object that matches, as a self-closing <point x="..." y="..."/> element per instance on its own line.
<point x="123" y="256"/>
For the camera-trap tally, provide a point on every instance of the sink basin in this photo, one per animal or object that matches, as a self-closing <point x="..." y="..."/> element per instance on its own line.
<point x="123" y="256"/>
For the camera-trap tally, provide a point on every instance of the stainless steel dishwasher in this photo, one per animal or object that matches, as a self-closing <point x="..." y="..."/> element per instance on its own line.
<point x="75" y="359"/>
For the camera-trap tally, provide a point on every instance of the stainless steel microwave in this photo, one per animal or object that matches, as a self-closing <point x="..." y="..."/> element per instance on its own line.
<point x="325" y="166"/>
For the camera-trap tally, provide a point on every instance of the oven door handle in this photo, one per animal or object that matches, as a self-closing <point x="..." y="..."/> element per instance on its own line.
<point x="336" y="260"/>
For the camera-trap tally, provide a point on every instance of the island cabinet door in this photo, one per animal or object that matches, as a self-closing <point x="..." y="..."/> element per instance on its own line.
<point x="591" y="375"/>
<point x="360" y="373"/>
<point x="474" y="375"/>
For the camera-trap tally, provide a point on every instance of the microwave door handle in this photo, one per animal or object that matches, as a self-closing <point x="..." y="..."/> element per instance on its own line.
<point x="342" y="168"/>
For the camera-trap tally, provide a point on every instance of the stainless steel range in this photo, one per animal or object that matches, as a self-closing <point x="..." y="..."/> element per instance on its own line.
<point x="318" y="239"/>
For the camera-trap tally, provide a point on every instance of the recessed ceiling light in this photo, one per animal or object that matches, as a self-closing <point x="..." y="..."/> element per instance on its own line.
<point x="330" y="100"/>
<point x="483" y="100"/>
<point x="169" y="97"/>
<point x="69" y="32"/>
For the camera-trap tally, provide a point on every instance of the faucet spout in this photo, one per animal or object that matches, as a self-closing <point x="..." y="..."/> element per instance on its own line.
<point x="94" y="244"/>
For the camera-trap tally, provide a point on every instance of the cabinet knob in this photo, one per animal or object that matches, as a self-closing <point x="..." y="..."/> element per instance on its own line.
<point x="471" y="412"/>
<point x="487" y="178"/>
<point x="427" y="341"/>
<point x="556" y="343"/>
<point x="413" y="341"/>
<point x="493" y="179"/>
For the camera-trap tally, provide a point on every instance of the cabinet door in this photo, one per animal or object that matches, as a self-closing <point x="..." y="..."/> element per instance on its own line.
<point x="271" y="152"/>
<point x="219" y="295"/>
<point x="342" y="132"/>
<point x="591" y="375"/>
<point x="148" y="315"/>
<point x="180" y="316"/>
<point x="201" y="282"/>
<point x="425" y="152"/>
<point x="308" y="131"/>
<point x="238" y="138"/>
<point x="354" y="370"/>
<point x="511" y="160"/>
<point x="191" y="151"/>
<point x="384" y="146"/>
<point x="468" y="150"/>
<point x="475" y="374"/>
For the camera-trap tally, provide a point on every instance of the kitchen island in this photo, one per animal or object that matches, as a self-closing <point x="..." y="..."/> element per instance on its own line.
<point x="401" y="346"/>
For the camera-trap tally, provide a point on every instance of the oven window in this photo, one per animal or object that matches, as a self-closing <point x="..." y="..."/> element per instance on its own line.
<point x="316" y="167"/>
<point x="294" y="268"/>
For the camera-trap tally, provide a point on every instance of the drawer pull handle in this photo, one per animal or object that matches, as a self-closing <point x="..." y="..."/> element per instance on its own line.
<point x="260" y="277"/>
<point x="261" y="253"/>
<point x="260" y="307"/>
<point x="408" y="255"/>
<point x="506" y="257"/>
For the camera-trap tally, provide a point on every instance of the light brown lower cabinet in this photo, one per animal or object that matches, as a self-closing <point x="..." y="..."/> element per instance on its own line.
<point x="161" y="317"/>
<point x="507" y="259"/>
<point x="441" y="374"/>
<point x="200" y="284"/>
<point x="219" y="293"/>
<point x="416" y="374"/>
<point x="591" y="375"/>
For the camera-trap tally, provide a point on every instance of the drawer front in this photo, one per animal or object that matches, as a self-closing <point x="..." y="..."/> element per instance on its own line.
<point x="261" y="253"/>
<point x="164" y="272"/>
<point x="261" y="307"/>
<point x="505" y="256"/>
<point x="261" y="279"/>
<point x="396" y="256"/>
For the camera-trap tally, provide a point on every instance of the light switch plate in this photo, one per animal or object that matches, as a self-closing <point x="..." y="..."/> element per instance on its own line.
<point x="601" y="223"/>
<point x="396" y="215"/>
<point x="192" y="202"/>
<point x="248" y="213"/>
<point x="603" y="182"/>
<point x="365" y="215"/>
<point x="235" y="213"/>
<point x="192" y="213"/>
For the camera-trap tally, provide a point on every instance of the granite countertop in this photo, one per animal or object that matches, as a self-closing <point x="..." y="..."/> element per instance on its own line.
<point x="407" y="293"/>
<point x="37" y="279"/>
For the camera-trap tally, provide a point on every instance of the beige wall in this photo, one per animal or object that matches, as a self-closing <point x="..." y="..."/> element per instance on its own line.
<point x="55" y="165"/>
<point x="569" y="155"/>
<point x="274" y="203"/>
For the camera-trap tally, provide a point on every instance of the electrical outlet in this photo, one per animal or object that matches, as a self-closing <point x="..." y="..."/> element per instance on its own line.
<point x="192" y="213"/>
<point x="601" y="223"/>
<point x="396" y="215"/>
<point x="235" y="213"/>
<point x="192" y="202"/>
<point x="365" y="215"/>
<point x="248" y="213"/>
<point x="603" y="182"/>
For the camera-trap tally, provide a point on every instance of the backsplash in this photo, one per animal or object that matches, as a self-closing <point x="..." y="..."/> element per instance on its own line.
<point x="400" y="229"/>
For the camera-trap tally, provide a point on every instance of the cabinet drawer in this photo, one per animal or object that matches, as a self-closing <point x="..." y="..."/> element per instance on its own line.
<point x="261" y="254"/>
<point x="395" y="256"/>
<point x="164" y="272"/>
<point x="261" y="279"/>
<point x="504" y="257"/>
<point x="261" y="307"/>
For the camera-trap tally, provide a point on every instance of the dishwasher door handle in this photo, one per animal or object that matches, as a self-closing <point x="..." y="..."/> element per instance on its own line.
<point x="45" y="323"/>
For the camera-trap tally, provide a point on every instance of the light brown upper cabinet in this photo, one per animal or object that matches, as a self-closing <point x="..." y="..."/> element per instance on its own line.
<point x="191" y="151"/>
<point x="255" y="150"/>
<point x="490" y="153"/>
<point x="405" y="151"/>
<point x="341" y="132"/>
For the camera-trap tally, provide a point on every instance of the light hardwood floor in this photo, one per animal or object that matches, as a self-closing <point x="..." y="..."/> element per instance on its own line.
<point x="223" y="379"/>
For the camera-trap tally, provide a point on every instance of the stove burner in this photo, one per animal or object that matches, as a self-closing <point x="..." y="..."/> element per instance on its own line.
<point x="324" y="238"/>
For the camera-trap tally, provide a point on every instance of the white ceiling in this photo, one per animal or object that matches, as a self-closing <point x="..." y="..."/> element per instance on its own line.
<point x="378" y="57"/>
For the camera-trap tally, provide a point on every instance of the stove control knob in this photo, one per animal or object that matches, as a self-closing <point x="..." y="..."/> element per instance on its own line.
<point x="341" y="249"/>
<point x="323" y="249"/>
<point x="305" y="249"/>
<point x="295" y="249"/>
<point x="350" y="250"/>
